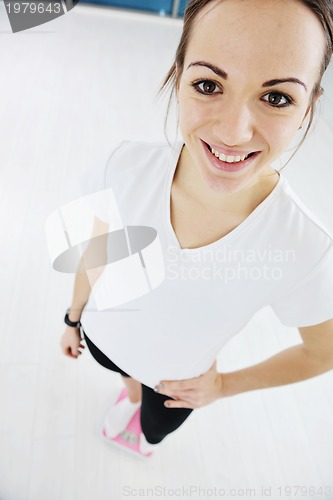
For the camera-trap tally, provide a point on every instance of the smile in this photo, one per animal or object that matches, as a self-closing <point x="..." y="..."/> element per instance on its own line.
<point x="228" y="163"/>
<point x="229" y="159"/>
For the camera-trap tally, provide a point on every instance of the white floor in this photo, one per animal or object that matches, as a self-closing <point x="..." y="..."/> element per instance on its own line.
<point x="70" y="90"/>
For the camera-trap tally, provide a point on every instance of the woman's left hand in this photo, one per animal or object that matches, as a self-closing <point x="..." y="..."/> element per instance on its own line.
<point x="195" y="392"/>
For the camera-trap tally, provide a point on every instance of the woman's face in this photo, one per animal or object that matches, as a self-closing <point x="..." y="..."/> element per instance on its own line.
<point x="267" y="57"/>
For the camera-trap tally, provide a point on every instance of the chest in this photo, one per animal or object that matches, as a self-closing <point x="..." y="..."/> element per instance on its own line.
<point x="195" y="226"/>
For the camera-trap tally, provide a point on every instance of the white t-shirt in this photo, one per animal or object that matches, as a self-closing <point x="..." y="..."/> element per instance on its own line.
<point x="280" y="255"/>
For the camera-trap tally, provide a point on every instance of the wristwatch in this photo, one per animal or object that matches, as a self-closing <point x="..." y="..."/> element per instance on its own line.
<point x="74" y="324"/>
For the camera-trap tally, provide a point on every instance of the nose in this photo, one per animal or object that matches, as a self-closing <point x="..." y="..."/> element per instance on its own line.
<point x="234" y="123"/>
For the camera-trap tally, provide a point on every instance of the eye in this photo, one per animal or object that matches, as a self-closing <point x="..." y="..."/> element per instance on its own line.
<point x="278" y="100"/>
<point x="275" y="99"/>
<point x="208" y="85"/>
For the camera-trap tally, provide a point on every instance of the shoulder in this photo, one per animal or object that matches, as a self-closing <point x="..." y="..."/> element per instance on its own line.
<point x="142" y="150"/>
<point x="139" y="160"/>
<point x="297" y="219"/>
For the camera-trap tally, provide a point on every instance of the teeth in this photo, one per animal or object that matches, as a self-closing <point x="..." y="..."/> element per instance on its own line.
<point x="228" y="159"/>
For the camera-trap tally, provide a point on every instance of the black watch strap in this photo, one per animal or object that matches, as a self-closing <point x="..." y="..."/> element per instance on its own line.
<point x="74" y="324"/>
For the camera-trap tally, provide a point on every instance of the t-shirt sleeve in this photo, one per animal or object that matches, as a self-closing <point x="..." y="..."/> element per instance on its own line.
<point x="98" y="195"/>
<point x="310" y="302"/>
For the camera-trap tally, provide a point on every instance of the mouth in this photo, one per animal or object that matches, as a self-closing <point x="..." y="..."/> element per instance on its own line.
<point x="229" y="163"/>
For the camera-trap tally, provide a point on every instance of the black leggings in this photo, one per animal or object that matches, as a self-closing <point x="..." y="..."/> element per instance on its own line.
<point x="157" y="421"/>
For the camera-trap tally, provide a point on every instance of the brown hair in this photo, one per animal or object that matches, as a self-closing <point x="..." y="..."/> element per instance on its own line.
<point x="323" y="9"/>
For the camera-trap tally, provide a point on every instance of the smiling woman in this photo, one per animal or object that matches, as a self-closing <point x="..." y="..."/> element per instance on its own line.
<point x="247" y="75"/>
<point x="321" y="9"/>
<point x="269" y="59"/>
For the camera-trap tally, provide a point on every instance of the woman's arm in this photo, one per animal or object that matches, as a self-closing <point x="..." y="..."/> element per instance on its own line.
<point x="300" y="362"/>
<point x="95" y="252"/>
<point x="81" y="292"/>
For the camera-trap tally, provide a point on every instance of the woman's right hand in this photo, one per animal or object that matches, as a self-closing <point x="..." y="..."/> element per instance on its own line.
<point x="71" y="342"/>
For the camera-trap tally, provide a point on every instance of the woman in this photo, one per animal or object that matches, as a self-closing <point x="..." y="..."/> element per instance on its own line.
<point x="234" y="236"/>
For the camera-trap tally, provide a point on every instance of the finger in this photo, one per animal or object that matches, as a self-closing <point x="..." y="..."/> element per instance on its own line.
<point x="74" y="353"/>
<point x="177" y="404"/>
<point x="70" y="355"/>
<point x="174" y="386"/>
<point x="67" y="351"/>
<point x="173" y="393"/>
<point x="177" y="384"/>
<point x="185" y="396"/>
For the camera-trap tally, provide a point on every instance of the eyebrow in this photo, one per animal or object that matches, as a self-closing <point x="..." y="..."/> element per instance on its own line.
<point x="220" y="72"/>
